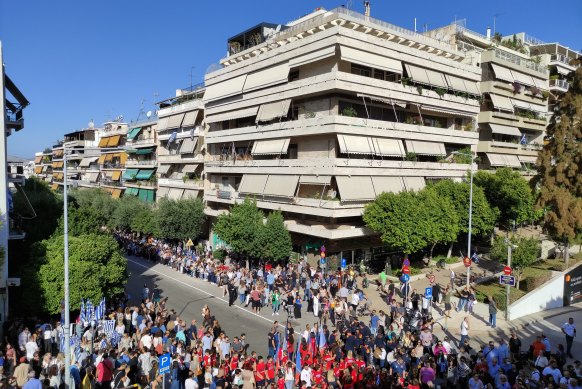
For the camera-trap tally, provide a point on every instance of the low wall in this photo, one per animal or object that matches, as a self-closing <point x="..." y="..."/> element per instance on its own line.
<point x="548" y="296"/>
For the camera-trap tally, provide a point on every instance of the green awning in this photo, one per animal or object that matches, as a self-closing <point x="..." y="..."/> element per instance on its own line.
<point x="145" y="151"/>
<point x="133" y="132"/>
<point x="144" y="174"/>
<point x="131" y="151"/>
<point x="130" y="174"/>
<point x="131" y="191"/>
<point x="146" y="195"/>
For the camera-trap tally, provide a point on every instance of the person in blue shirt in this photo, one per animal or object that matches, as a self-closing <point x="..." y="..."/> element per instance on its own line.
<point x="502" y="350"/>
<point x="398" y="366"/>
<point x="493" y="368"/>
<point x="270" y="280"/>
<point x="75" y="374"/>
<point x="374" y="323"/>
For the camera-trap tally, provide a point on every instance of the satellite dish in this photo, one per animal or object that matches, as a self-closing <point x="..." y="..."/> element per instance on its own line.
<point x="149" y="114"/>
<point x="91" y="124"/>
<point x="278" y="29"/>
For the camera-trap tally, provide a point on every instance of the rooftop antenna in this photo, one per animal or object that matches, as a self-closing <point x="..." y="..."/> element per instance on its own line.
<point x="140" y="109"/>
<point x="367" y="9"/>
<point x="191" y="68"/>
<point x="91" y="124"/>
<point x="494" y="21"/>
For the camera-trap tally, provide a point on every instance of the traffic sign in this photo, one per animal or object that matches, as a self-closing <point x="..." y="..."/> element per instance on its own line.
<point x="431" y="278"/>
<point x="467" y="261"/>
<point x="405" y="278"/>
<point x="322" y="261"/>
<point x="189" y="243"/>
<point x="406" y="262"/>
<point x="405" y="270"/>
<point x="507" y="280"/>
<point x="428" y="292"/>
<point x="344" y="265"/>
<point x="164" y="366"/>
<point x="507" y="270"/>
<point x="13" y="281"/>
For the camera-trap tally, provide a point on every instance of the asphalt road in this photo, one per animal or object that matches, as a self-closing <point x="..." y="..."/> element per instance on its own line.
<point x="187" y="296"/>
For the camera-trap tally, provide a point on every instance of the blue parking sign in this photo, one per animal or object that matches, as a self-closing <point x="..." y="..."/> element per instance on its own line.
<point x="428" y="293"/>
<point x="165" y="361"/>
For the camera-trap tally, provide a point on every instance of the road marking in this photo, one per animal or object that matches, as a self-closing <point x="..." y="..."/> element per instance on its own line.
<point x="202" y="291"/>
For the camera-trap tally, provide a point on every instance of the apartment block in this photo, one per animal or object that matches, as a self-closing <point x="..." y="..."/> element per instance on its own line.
<point x="82" y="157"/>
<point x="318" y="117"/>
<point x="113" y="157"/>
<point x="180" y="133"/>
<point x="141" y="143"/>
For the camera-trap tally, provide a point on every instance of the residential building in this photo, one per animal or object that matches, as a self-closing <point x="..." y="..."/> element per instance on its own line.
<point x="320" y="116"/>
<point x="180" y="134"/>
<point x="112" y="138"/>
<point x="82" y="157"/>
<point x="20" y="166"/>
<point x="57" y="166"/>
<point x="139" y="177"/>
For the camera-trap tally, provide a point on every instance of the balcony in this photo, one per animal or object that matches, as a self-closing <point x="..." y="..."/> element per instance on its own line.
<point x="179" y="158"/>
<point x="181" y="183"/>
<point x="112" y="165"/>
<point x="517" y="60"/>
<point x="492" y="146"/>
<point x="141" y="142"/>
<point x="140" y="184"/>
<point x="508" y="119"/>
<point x="116" y="184"/>
<point x="141" y="163"/>
<point x="559" y="85"/>
<point x="563" y="61"/>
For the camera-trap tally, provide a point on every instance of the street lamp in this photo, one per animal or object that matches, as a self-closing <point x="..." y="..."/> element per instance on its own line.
<point x="473" y="157"/>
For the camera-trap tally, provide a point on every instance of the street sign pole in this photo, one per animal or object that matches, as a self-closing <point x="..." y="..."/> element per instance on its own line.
<point x="507" y="287"/>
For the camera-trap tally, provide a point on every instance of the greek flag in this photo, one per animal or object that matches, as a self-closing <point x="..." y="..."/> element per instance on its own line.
<point x="83" y="314"/>
<point x="172" y="137"/>
<point x="103" y="344"/>
<point x="109" y="327"/>
<point x="72" y="342"/>
<point x="523" y="140"/>
<point x="100" y="310"/>
<point x="321" y="341"/>
<point x="89" y="310"/>
<point x="115" y="338"/>
<point x="298" y="358"/>
<point x="475" y="257"/>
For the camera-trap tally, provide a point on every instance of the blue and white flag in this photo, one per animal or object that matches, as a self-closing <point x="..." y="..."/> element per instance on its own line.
<point x="83" y="313"/>
<point x="475" y="257"/>
<point x="298" y="358"/>
<point x="172" y="137"/>
<point x="109" y="327"/>
<point x="100" y="310"/>
<point x="321" y="341"/>
<point x="115" y="338"/>
<point x="89" y="310"/>
<point x="523" y="140"/>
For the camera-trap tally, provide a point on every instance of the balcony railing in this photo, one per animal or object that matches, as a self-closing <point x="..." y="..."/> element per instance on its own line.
<point x="504" y="55"/>
<point x="561" y="58"/>
<point x="148" y="162"/>
<point x="142" y="141"/>
<point x="563" y="84"/>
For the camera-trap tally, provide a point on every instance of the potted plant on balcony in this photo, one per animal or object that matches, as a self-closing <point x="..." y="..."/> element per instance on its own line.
<point x="185" y="178"/>
<point x="410" y="156"/>
<point x="405" y="80"/>
<point x="440" y="91"/>
<point x="516" y="87"/>
<point x="419" y="89"/>
<point x="349" y="112"/>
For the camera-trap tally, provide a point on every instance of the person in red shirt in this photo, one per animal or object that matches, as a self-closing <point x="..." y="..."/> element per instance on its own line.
<point x="234" y="362"/>
<point x="281" y="381"/>
<point x="270" y="370"/>
<point x="105" y="371"/>
<point x="260" y="372"/>
<point x="316" y="375"/>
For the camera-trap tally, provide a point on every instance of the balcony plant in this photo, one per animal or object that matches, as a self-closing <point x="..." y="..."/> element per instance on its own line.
<point x="468" y="126"/>
<point x="410" y="156"/>
<point x="440" y="91"/>
<point x="349" y="112"/>
<point x="419" y="89"/>
<point x="545" y="95"/>
<point x="405" y="80"/>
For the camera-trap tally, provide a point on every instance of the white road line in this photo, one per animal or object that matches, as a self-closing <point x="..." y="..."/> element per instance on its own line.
<point x="202" y="291"/>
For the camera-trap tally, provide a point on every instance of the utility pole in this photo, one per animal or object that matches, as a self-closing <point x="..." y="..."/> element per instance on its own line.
<point x="66" y="265"/>
<point x="508" y="287"/>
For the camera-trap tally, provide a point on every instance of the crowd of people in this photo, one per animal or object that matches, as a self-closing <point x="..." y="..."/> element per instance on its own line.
<point x="347" y="344"/>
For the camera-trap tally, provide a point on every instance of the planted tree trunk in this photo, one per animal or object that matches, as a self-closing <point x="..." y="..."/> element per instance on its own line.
<point x="450" y="252"/>
<point x="566" y="252"/>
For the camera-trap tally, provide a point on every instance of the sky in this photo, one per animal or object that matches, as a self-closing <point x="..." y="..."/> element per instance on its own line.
<point x="78" y="61"/>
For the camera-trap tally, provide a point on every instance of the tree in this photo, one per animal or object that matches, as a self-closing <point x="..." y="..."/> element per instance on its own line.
<point x="145" y="220"/>
<point x="90" y="211"/>
<point x="273" y="239"/>
<point x="560" y="167"/>
<point x="126" y="211"/>
<point x="525" y="253"/>
<point x="181" y="219"/>
<point x="510" y="193"/>
<point x="96" y="269"/>
<point x="395" y="217"/>
<point x="439" y="219"/>
<point x="240" y="227"/>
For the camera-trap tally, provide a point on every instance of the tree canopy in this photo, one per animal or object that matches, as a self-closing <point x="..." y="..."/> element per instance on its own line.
<point x="439" y="219"/>
<point x="273" y="239"/>
<point x="180" y="219"/>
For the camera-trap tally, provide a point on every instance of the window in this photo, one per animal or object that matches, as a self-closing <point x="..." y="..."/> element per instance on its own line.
<point x="292" y="151"/>
<point x="361" y="70"/>
<point x="237" y="182"/>
<point x="294" y="75"/>
<point x="379" y="74"/>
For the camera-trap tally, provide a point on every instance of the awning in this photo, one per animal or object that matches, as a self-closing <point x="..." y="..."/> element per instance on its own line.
<point x="175" y="193"/>
<point x="387" y="184"/>
<point x="371" y="60"/>
<point x="522" y="78"/>
<point x="425" y="148"/>
<point x="417" y="74"/>
<point x="253" y="183"/>
<point x="437" y="78"/>
<point x="116" y="175"/>
<point x="190" y="118"/>
<point x="145" y="151"/>
<point x="144" y="174"/>
<point x="85" y="162"/>
<point x="109" y="157"/>
<point x="388" y="147"/>
<point x="462" y="85"/>
<point x="116" y="193"/>
<point x="133" y="132"/>
<point x="190" y="194"/>
<point x="355" y="188"/>
<point x="191" y="168"/>
<point x="113" y="141"/>
<point x="541" y="84"/>
<point x="527" y="159"/>
<point x="230" y="115"/>
<point x="38" y="169"/>
<point x="102" y="159"/>
<point x="92" y="177"/>
<point x="273" y="110"/>
<point x="522" y="104"/>
<point x="502" y="73"/>
<point x="122" y="158"/>
<point x="270" y="147"/>
<point x="103" y="142"/>
<point x="353" y="144"/>
<point x="162" y="124"/>
<point x="162" y="191"/>
<point x="398" y="103"/>
<point x="164" y="169"/>
<point x="504" y="130"/>
<point x="501" y="102"/>
<point x="263" y="78"/>
<point x="281" y="185"/>
<point x="225" y="89"/>
<point x="130" y="174"/>
<point x="188" y="145"/>
<point x="44" y="168"/>
<point x="146" y="195"/>
<point x="58" y="153"/>
<point x="503" y="160"/>
<point x="175" y="121"/>
<point x="54" y="186"/>
<point x="315" y="180"/>
<point x="414" y="183"/>
<point x="38" y="159"/>
<point x="314" y="56"/>
<point x="132" y="191"/>
<point x="512" y="160"/>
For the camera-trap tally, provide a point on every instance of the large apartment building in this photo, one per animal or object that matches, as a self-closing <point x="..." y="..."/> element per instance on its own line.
<point x="112" y="159"/>
<point x="319" y="117"/>
<point x="139" y="178"/>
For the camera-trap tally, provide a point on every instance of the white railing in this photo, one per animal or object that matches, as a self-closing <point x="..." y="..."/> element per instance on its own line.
<point x="504" y="55"/>
<point x="133" y="162"/>
<point x="530" y="40"/>
<point x="560" y="84"/>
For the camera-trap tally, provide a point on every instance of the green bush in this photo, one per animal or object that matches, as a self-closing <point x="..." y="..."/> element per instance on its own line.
<point x="413" y="271"/>
<point x="448" y="261"/>
<point x="483" y="292"/>
<point x="219" y="254"/>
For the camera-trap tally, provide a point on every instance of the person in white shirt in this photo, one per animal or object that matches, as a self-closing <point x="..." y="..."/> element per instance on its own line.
<point x="554" y="370"/>
<point x="355" y="300"/>
<point x="306" y="375"/>
<point x="191" y="382"/>
<point x="569" y="329"/>
<point x="31" y="347"/>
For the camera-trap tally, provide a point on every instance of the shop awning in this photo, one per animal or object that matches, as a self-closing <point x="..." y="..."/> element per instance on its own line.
<point x="315" y="180"/>
<point x="502" y="73"/>
<point x="253" y="183"/>
<point x="164" y="169"/>
<point x="370" y="59"/>
<point x="162" y="191"/>
<point x="190" y="168"/>
<point x="414" y="183"/>
<point x="388" y="147"/>
<point x="146" y="195"/>
<point x="145" y="151"/>
<point x="190" y="194"/>
<point x="144" y="174"/>
<point x="175" y="121"/>
<point x="527" y="159"/>
<point x="387" y="184"/>
<point x="281" y="185"/>
<point x="263" y="78"/>
<point x="113" y="141"/>
<point x="188" y="145"/>
<point x="225" y="89"/>
<point x="130" y="174"/>
<point x="504" y="130"/>
<point x="522" y="78"/>
<point x="231" y="115"/>
<point x="116" y="193"/>
<point x="314" y="56"/>
<point x="501" y="102"/>
<point x="116" y="175"/>
<point x="270" y="147"/>
<point x="355" y="188"/>
<point x="425" y="148"/>
<point x="103" y="142"/>
<point x="175" y="193"/>
<point x="273" y="110"/>
<point x="190" y="118"/>
<point x="133" y="132"/>
<point x="353" y="144"/>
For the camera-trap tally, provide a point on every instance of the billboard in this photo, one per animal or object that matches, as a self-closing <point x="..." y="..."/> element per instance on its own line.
<point x="573" y="286"/>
